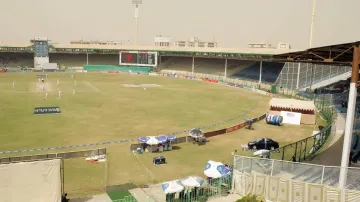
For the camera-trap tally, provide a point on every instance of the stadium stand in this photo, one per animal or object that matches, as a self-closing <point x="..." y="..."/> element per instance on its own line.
<point x="14" y="61"/>
<point x="249" y="70"/>
<point x="315" y="76"/>
<point x="77" y="61"/>
<point x="270" y="72"/>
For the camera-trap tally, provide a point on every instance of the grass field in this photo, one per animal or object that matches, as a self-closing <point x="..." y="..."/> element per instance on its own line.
<point x="103" y="109"/>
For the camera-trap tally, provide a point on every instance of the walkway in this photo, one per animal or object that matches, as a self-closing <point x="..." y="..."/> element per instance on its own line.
<point x="96" y="198"/>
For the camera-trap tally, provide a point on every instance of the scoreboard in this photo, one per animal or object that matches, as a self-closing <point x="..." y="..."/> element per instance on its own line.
<point x="138" y="58"/>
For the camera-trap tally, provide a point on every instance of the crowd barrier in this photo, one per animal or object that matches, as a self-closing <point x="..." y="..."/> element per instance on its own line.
<point x="63" y="155"/>
<point x="279" y="180"/>
<point x="208" y="134"/>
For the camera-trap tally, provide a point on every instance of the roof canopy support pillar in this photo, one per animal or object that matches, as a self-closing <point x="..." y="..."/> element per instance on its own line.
<point x="226" y="64"/>
<point x="193" y="65"/>
<point x="349" y="118"/>
<point x="260" y="75"/>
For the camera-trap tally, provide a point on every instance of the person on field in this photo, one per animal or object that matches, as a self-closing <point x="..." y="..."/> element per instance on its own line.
<point x="57" y="82"/>
<point x="59" y="94"/>
<point x="42" y="80"/>
<point x="14" y="84"/>
<point x="74" y="91"/>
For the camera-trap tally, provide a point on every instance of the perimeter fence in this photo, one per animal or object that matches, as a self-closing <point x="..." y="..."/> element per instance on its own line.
<point x="278" y="180"/>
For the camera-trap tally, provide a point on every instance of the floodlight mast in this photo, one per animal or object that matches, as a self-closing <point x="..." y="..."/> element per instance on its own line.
<point x="136" y="3"/>
<point x="313" y="15"/>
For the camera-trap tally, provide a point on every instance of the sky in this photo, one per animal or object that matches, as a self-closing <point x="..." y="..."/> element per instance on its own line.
<point x="232" y="23"/>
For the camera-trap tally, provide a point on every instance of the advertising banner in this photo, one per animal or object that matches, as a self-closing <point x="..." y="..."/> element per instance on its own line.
<point x="215" y="133"/>
<point x="113" y="72"/>
<point x="291" y="117"/>
<point x="234" y="128"/>
<point x="47" y="110"/>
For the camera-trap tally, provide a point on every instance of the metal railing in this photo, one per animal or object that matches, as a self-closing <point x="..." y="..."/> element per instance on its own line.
<point x="299" y="172"/>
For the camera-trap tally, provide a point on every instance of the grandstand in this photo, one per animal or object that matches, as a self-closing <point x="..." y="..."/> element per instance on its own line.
<point x="270" y="72"/>
<point x="304" y="75"/>
<point x="245" y="69"/>
<point x="77" y="61"/>
<point x="16" y="60"/>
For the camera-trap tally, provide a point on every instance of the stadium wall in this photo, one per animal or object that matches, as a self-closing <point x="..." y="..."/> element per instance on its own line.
<point x="117" y="69"/>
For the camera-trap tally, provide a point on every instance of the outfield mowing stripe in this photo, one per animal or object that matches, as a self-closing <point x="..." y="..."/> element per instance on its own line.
<point x="120" y="141"/>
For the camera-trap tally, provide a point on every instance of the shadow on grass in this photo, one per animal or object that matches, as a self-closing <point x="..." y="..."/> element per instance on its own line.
<point x="176" y="147"/>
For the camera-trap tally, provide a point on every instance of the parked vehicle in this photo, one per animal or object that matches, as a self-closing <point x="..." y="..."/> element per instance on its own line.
<point x="263" y="143"/>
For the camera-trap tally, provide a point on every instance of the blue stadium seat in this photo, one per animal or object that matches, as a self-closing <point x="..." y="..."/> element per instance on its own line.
<point x="270" y="72"/>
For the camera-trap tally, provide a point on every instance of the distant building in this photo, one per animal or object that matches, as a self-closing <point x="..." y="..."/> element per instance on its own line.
<point x="260" y="45"/>
<point x="163" y="41"/>
<point x="195" y="42"/>
<point x="269" y="46"/>
<point x="283" y="46"/>
<point x="96" y="42"/>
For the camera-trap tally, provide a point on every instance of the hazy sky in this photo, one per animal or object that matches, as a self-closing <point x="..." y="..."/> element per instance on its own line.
<point x="233" y="23"/>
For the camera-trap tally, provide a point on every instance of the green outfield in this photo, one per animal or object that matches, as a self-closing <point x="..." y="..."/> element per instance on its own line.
<point x="104" y="109"/>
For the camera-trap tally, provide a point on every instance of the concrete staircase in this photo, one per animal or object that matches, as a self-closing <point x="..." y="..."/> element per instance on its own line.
<point x="328" y="80"/>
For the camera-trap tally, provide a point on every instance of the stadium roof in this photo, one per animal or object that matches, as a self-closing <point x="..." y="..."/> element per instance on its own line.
<point x="171" y="49"/>
<point x="341" y="54"/>
<point x="244" y="51"/>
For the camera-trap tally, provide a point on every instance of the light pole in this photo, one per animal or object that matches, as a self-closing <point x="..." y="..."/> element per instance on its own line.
<point x="136" y="3"/>
<point x="312" y="22"/>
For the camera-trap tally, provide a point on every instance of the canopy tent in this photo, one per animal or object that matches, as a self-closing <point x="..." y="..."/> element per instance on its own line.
<point x="172" y="187"/>
<point x="152" y="140"/>
<point x="292" y="104"/>
<point x="156" y="143"/>
<point x="193" y="181"/>
<point x="306" y="108"/>
<point x="155" y="140"/>
<point x="195" y="133"/>
<point x="215" y="169"/>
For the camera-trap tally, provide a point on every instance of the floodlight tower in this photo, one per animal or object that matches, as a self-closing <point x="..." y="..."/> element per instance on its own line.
<point x="313" y="15"/>
<point x="136" y="3"/>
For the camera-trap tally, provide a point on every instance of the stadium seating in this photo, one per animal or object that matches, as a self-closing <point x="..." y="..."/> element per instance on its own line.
<point x="78" y="60"/>
<point x="207" y="66"/>
<point x="16" y="61"/>
<point x="270" y="72"/>
<point x="315" y="75"/>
